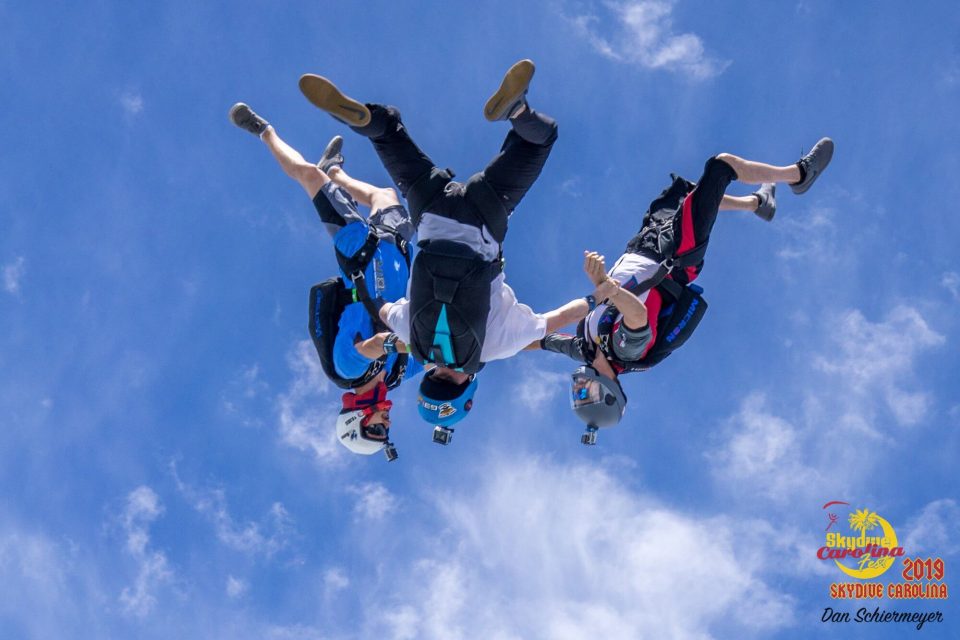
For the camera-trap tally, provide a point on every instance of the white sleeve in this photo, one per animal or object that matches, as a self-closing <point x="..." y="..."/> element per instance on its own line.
<point x="398" y="319"/>
<point x="511" y="326"/>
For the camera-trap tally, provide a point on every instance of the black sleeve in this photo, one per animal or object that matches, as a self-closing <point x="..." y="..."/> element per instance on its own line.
<point x="562" y="343"/>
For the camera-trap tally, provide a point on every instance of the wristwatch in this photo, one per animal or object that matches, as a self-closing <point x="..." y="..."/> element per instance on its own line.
<point x="591" y="301"/>
<point x="390" y="343"/>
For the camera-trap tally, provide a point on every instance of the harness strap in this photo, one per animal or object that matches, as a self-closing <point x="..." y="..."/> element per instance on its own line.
<point x="372" y="306"/>
<point x="361" y="258"/>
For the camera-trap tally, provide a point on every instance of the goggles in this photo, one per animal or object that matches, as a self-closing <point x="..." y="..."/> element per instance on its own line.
<point x="377" y="432"/>
<point x="585" y="391"/>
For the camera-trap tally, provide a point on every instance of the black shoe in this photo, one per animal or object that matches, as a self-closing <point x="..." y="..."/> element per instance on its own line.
<point x="331" y="155"/>
<point x="325" y="95"/>
<point x="813" y="164"/>
<point x="244" y="117"/>
<point x="509" y="98"/>
<point x="768" y="204"/>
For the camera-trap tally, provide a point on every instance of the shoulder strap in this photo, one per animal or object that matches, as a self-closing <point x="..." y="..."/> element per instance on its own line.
<point x="372" y="306"/>
<point x="358" y="261"/>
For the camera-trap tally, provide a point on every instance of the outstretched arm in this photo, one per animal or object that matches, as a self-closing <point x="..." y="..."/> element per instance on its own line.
<point x="573" y="311"/>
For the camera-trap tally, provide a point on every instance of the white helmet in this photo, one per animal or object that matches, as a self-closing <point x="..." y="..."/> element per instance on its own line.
<point x="363" y="439"/>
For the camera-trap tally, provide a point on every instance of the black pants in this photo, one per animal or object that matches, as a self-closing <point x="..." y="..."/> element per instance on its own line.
<point x="508" y="176"/>
<point x="696" y="213"/>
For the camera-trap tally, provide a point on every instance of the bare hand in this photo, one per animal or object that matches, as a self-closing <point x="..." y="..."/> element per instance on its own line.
<point x="606" y="289"/>
<point x="595" y="267"/>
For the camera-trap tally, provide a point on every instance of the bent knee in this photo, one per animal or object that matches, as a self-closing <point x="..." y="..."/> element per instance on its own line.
<point x="383" y="198"/>
<point x="722" y="164"/>
<point x="729" y="158"/>
<point x="309" y="176"/>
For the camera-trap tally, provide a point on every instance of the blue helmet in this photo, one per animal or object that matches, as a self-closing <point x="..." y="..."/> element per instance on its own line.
<point x="445" y="403"/>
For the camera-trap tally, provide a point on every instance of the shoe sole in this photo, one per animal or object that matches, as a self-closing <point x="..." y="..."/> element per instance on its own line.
<point x="515" y="82"/>
<point x="234" y="110"/>
<point x="324" y="95"/>
<point x="827" y="145"/>
<point x="334" y="147"/>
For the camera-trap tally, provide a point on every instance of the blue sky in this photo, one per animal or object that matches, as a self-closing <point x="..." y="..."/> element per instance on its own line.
<point x="167" y="460"/>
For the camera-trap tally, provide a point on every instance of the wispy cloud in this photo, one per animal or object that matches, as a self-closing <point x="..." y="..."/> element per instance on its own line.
<point x="374" y="501"/>
<point x="236" y="587"/>
<point x="870" y="357"/>
<point x="307" y="410"/>
<point x="242" y="395"/>
<point x="762" y="452"/>
<point x="272" y="534"/>
<point x="334" y="580"/>
<point x="12" y="274"/>
<point x="142" y="508"/>
<point x="950" y="280"/>
<point x="131" y="102"/>
<point x="48" y="585"/>
<point x="538" y="546"/>
<point x="536" y="387"/>
<point x="860" y="379"/>
<point x="935" y="530"/>
<point x="641" y="32"/>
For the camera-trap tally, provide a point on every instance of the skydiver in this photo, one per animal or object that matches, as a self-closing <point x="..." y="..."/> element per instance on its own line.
<point x="645" y="307"/>
<point x="459" y="313"/>
<point x="356" y="353"/>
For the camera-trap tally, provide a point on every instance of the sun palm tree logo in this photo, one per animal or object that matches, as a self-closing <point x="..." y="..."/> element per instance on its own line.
<point x="864" y="520"/>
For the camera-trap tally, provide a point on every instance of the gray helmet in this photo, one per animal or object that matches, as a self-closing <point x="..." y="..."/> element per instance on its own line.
<point x="596" y="399"/>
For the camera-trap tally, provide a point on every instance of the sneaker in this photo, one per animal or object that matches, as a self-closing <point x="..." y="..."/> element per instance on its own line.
<point x="813" y="164"/>
<point x="244" y="117"/>
<point x="331" y="155"/>
<point x="325" y="95"/>
<point x="509" y="98"/>
<point x="768" y="204"/>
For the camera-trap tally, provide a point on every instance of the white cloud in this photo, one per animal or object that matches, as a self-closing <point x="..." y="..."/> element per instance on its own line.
<point x="862" y="375"/>
<point x="374" y="501"/>
<point x="537" y="387"/>
<point x="267" y="537"/>
<point x="762" y="452"/>
<point x="641" y="32"/>
<point x="811" y="239"/>
<point x="143" y="507"/>
<point x="295" y="632"/>
<point x="13" y="274"/>
<point x="334" y="580"/>
<point x="131" y="102"/>
<point x="307" y="411"/>
<point x="242" y="394"/>
<point x="236" y="587"/>
<point x="572" y="187"/>
<point x="935" y="530"/>
<point x="540" y="550"/>
<point x="48" y="587"/>
<point x="868" y="358"/>
<point x="951" y="282"/>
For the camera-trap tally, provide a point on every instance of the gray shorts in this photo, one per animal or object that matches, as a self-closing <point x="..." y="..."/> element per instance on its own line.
<point x="629" y="344"/>
<point x="394" y="220"/>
